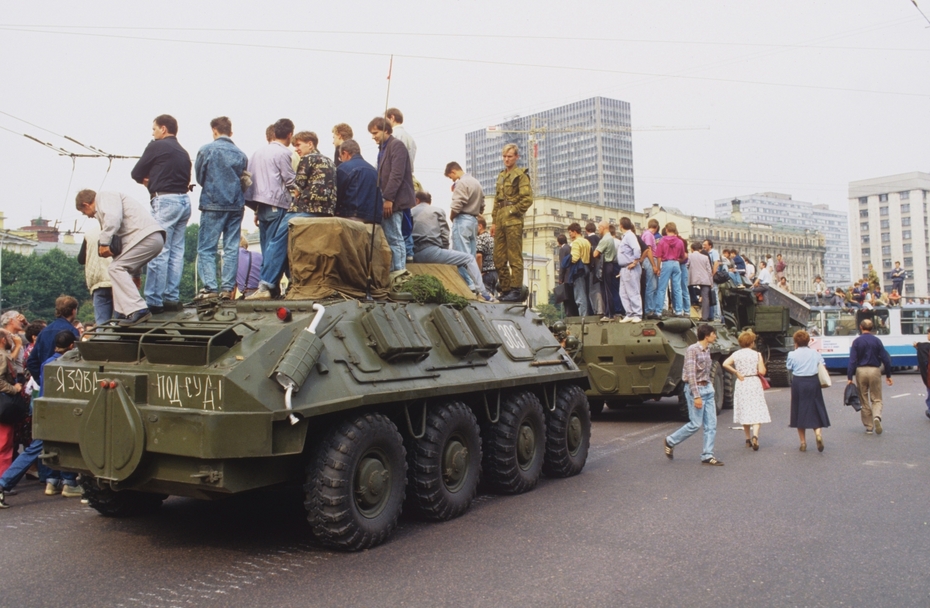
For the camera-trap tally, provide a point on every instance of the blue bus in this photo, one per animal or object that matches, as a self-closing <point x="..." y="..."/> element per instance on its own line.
<point x="833" y="329"/>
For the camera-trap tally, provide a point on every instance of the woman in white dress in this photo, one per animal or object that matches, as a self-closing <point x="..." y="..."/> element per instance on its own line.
<point x="749" y="407"/>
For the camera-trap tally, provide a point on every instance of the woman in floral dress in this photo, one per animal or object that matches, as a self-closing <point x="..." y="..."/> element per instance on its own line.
<point x="749" y="407"/>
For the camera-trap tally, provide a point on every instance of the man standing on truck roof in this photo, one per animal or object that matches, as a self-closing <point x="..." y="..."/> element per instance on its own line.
<point x="512" y="199"/>
<point x="699" y="391"/>
<point x="467" y="204"/>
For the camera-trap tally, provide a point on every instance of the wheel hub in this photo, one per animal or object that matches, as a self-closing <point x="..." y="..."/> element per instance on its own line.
<point x="372" y="481"/>
<point x="454" y="464"/>
<point x="574" y="434"/>
<point x="526" y="445"/>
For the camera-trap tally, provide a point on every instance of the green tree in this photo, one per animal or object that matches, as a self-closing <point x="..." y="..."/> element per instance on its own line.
<point x="549" y="313"/>
<point x="32" y="283"/>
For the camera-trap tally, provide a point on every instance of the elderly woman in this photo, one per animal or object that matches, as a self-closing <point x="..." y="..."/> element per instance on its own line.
<point x="808" y="411"/>
<point x="9" y="386"/>
<point x="749" y="407"/>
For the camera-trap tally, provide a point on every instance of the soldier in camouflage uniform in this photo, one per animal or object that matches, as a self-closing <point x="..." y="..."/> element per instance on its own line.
<point x="513" y="199"/>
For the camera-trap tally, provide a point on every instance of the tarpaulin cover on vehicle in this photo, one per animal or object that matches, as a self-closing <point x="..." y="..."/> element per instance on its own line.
<point x="330" y="255"/>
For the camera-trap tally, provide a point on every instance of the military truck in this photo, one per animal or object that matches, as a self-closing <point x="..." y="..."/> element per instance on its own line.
<point x="367" y="402"/>
<point x="632" y="363"/>
<point x="774" y="321"/>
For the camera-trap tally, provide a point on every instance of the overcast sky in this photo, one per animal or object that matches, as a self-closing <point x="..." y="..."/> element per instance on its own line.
<point x="793" y="96"/>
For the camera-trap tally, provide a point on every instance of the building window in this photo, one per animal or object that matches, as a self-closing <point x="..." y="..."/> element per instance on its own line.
<point x="865" y="252"/>
<point x="863" y="200"/>
<point x="864" y="226"/>
<point x="887" y="263"/>
<point x="905" y="208"/>
<point x="908" y="262"/>
<point x="885" y="224"/>
<point x="883" y="211"/>
<point x="905" y="221"/>
<point x="908" y="248"/>
<point x="584" y="217"/>
<point x="865" y="238"/>
<point x="597" y="219"/>
<point x="886" y="237"/>
<point x="555" y="212"/>
<point x="883" y="198"/>
<point x="905" y="234"/>
<point x="904" y="195"/>
<point x="886" y="250"/>
<point x="864" y="213"/>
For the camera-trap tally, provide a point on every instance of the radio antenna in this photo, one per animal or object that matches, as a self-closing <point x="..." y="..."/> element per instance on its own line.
<point x="371" y="240"/>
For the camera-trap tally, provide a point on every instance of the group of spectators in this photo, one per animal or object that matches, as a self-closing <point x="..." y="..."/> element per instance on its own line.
<point x="25" y="348"/>
<point x="614" y="272"/>
<point x="867" y="292"/>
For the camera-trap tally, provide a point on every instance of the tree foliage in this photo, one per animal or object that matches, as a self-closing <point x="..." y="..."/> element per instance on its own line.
<point x="32" y="283"/>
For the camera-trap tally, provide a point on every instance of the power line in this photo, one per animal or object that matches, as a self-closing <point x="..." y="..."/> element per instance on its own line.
<point x="475" y="61"/>
<point x="460" y="35"/>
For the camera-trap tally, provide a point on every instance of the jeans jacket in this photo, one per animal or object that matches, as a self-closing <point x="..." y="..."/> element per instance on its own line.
<point x="218" y="167"/>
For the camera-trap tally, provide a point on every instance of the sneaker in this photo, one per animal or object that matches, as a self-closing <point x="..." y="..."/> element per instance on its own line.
<point x="52" y="488"/>
<point x="155" y="310"/>
<point x="72" y="491"/>
<point x="262" y="293"/>
<point x="635" y="320"/>
<point x="877" y="425"/>
<point x="669" y="450"/>
<point x="712" y="462"/>
<point x="205" y="294"/>
<point x="485" y="297"/>
<point x="868" y="431"/>
<point x="137" y="317"/>
<point x="3" y="504"/>
<point x="626" y="319"/>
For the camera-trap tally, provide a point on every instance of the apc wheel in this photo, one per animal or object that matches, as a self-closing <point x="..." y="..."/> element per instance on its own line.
<point x="125" y="503"/>
<point x="716" y="376"/>
<point x="515" y="446"/>
<point x="729" y="389"/>
<point x="777" y="367"/>
<point x="568" y="433"/>
<point x="596" y="408"/>
<point x="443" y="467"/>
<point x="355" y="485"/>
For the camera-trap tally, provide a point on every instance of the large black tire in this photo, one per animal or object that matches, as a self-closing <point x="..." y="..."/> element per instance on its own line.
<point x="568" y="433"/>
<point x="444" y="466"/>
<point x="729" y="389"/>
<point x="355" y="484"/>
<point x="125" y="503"/>
<point x="716" y="376"/>
<point x="777" y="368"/>
<point x="596" y="407"/>
<point x="515" y="447"/>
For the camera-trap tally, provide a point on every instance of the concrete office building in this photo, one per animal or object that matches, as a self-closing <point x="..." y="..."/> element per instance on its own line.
<point x="777" y="209"/>
<point x="584" y="152"/>
<point x="888" y="217"/>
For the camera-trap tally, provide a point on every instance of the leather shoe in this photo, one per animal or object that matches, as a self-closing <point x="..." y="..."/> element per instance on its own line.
<point x="135" y="318"/>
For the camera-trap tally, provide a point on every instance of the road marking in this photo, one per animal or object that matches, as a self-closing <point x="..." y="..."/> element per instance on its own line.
<point x="633" y="434"/>
<point x="881" y="463"/>
<point x="600" y="453"/>
<point x="899" y="396"/>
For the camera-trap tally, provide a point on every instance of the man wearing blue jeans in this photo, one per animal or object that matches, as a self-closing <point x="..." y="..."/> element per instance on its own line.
<point x="467" y="204"/>
<point x="273" y="176"/>
<point x="395" y="179"/>
<point x="699" y="391"/>
<point x="219" y="168"/>
<point x="165" y="169"/>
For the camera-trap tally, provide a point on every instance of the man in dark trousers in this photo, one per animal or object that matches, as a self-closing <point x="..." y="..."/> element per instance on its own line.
<point x="357" y="196"/>
<point x="866" y="355"/>
<point x="923" y="360"/>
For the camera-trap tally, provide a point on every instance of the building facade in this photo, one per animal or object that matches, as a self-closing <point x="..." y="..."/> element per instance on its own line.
<point x="584" y="152"/>
<point x="777" y="209"/>
<point x="889" y="222"/>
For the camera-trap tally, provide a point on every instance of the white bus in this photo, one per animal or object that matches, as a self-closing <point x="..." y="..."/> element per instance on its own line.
<point x="833" y="329"/>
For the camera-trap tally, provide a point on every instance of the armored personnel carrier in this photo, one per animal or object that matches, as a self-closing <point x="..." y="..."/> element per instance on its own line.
<point x="631" y="363"/>
<point x="368" y="404"/>
<point x="774" y="321"/>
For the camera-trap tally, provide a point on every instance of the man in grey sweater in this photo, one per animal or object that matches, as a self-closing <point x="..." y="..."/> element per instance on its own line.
<point x="467" y="204"/>
<point x="431" y="243"/>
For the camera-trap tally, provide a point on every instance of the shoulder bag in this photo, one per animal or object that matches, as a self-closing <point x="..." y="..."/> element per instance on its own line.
<point x="824" y="376"/>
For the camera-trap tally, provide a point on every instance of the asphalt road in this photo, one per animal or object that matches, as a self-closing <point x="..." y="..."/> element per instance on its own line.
<point x="777" y="527"/>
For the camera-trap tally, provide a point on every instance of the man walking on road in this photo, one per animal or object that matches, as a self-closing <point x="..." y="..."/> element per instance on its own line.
<point x="866" y="355"/>
<point x="699" y="391"/>
<point x="512" y="199"/>
<point x="165" y="169"/>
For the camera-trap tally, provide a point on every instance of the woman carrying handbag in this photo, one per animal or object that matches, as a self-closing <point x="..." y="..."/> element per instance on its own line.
<point x="808" y="410"/>
<point x="749" y="406"/>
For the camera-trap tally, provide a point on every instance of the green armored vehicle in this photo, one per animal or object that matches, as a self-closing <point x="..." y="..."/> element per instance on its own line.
<point x="774" y="321"/>
<point x="632" y="363"/>
<point x="369" y="404"/>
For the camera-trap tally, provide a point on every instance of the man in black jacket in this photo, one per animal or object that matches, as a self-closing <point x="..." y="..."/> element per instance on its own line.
<point x="923" y="360"/>
<point x="395" y="178"/>
<point x="165" y="169"/>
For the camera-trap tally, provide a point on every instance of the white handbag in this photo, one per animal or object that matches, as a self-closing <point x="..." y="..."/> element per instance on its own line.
<point x="824" y="376"/>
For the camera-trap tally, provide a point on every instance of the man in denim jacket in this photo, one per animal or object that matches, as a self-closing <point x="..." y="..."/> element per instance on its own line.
<point x="218" y="168"/>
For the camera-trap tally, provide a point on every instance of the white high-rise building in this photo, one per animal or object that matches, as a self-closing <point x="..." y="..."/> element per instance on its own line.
<point x="777" y="209"/>
<point x="888" y="218"/>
